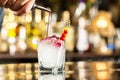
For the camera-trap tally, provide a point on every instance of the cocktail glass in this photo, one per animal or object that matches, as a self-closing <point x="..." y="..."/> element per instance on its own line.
<point x="51" y="55"/>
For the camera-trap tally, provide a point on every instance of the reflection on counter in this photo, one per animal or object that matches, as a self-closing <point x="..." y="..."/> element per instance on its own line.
<point x="18" y="71"/>
<point x="74" y="71"/>
<point x="59" y="76"/>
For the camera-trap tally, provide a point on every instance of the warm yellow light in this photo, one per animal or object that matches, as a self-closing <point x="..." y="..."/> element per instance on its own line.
<point x="47" y="17"/>
<point x="34" y="40"/>
<point x="101" y="66"/>
<point x="22" y="33"/>
<point x="102" y="22"/>
<point x="81" y="7"/>
<point x="102" y="75"/>
<point x="23" y="47"/>
<point x="104" y="49"/>
<point x="28" y="76"/>
<point x="4" y="33"/>
<point x="12" y="49"/>
<point x="38" y="16"/>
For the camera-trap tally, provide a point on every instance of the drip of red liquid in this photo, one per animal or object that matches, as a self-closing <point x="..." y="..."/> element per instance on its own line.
<point x="64" y="34"/>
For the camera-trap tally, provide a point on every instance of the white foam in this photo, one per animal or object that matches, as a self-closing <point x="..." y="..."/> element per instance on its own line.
<point x="49" y="55"/>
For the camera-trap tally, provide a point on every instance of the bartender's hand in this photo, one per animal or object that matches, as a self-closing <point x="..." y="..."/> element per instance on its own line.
<point x="19" y="7"/>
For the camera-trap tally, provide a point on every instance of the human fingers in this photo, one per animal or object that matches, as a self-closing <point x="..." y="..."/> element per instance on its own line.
<point x="18" y="4"/>
<point x="3" y="2"/>
<point x="25" y="9"/>
<point x="10" y="3"/>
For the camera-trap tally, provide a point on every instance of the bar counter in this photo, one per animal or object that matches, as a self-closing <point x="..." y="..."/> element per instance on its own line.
<point x="79" y="66"/>
<point x="81" y="70"/>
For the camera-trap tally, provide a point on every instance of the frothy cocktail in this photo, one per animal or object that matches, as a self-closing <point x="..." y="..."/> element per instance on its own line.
<point x="51" y="54"/>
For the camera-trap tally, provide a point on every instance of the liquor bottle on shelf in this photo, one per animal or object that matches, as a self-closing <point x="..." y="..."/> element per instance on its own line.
<point x="65" y="23"/>
<point x="14" y="32"/>
<point x="12" y="40"/>
<point x="21" y="33"/>
<point x="82" y="44"/>
<point x="71" y="36"/>
<point x="11" y="33"/>
<point x="93" y="36"/>
<point x="82" y="41"/>
<point x="8" y="31"/>
<point x="21" y="45"/>
<point x="3" y="40"/>
<point x="93" y="10"/>
<point x="117" y="41"/>
<point x="38" y="28"/>
<point x="110" y="44"/>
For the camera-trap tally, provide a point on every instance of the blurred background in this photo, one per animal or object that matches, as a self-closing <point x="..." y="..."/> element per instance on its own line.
<point x="94" y="33"/>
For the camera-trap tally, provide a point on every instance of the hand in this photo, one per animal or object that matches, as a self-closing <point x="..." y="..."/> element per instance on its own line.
<point x="19" y="7"/>
<point x="25" y="8"/>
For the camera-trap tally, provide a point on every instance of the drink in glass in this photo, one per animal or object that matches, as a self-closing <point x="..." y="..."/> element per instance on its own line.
<point x="51" y="55"/>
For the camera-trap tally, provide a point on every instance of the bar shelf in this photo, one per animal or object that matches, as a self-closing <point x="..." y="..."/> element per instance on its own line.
<point x="74" y="56"/>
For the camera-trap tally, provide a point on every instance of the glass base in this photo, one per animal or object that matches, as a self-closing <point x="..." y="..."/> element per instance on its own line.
<point x="49" y="76"/>
<point x="54" y="70"/>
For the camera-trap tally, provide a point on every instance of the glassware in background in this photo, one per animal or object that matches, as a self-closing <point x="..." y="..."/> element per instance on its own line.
<point x="24" y="30"/>
<point x="70" y="39"/>
<point x="82" y="38"/>
<point x="39" y="25"/>
<point x="58" y="28"/>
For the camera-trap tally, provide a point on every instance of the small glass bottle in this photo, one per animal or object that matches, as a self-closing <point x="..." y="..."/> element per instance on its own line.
<point x="82" y="39"/>
<point x="70" y="36"/>
<point x="60" y="25"/>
